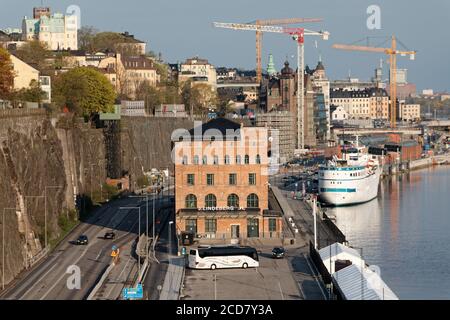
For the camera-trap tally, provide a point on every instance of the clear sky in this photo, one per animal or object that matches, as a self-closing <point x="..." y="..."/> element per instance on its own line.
<point x="183" y="28"/>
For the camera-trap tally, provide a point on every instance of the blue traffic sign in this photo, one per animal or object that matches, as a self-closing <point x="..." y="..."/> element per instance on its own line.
<point x="133" y="293"/>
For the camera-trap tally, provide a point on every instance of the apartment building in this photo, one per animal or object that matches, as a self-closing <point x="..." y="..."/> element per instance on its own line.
<point x="221" y="182"/>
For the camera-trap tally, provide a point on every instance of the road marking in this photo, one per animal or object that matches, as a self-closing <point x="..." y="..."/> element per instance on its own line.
<point x="64" y="274"/>
<point x="36" y="282"/>
<point x="98" y="256"/>
<point x="40" y="279"/>
<point x="113" y="286"/>
<point x="281" y="291"/>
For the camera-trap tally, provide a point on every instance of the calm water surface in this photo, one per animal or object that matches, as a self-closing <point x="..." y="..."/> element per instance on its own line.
<point x="406" y="232"/>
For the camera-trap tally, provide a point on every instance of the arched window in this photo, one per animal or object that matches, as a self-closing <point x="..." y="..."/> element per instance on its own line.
<point x="238" y="159"/>
<point x="191" y="201"/>
<point x="252" y="201"/>
<point x="205" y="160"/>
<point x="227" y="159"/>
<point x="196" y="159"/>
<point x="216" y="160"/>
<point x="258" y="159"/>
<point x="185" y="160"/>
<point x="210" y="201"/>
<point x="246" y="159"/>
<point x="233" y="201"/>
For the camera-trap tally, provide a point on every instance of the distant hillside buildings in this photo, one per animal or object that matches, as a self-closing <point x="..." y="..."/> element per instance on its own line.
<point x="279" y="93"/>
<point x="199" y="71"/>
<point x="57" y="31"/>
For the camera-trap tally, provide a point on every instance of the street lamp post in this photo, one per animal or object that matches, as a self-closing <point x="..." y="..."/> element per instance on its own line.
<point x="3" y="246"/>
<point x="315" y="221"/>
<point x="153" y="226"/>
<point x="139" y="232"/>
<point x="26" y="227"/>
<point x="170" y="240"/>
<point x="146" y="200"/>
<point x="45" y="208"/>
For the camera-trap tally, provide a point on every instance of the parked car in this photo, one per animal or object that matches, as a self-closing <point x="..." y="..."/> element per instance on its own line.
<point x="82" y="240"/>
<point x="109" y="235"/>
<point x="278" y="253"/>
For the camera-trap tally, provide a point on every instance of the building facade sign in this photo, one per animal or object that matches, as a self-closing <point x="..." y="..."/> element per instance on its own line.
<point x="222" y="209"/>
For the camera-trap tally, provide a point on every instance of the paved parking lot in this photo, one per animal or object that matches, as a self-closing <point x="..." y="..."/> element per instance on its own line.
<point x="273" y="280"/>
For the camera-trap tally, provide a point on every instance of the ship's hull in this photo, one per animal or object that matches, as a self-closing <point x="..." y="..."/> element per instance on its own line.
<point x="341" y="190"/>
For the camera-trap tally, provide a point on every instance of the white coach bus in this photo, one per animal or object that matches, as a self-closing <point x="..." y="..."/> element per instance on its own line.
<point x="221" y="257"/>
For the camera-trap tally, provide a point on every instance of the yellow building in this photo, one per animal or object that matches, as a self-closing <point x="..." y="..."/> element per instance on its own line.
<point x="221" y="182"/>
<point x="198" y="70"/>
<point x="128" y="73"/>
<point x="372" y="103"/>
<point x="409" y="112"/>
<point x="23" y="74"/>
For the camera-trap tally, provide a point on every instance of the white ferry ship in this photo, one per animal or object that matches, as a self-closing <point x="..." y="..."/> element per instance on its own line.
<point x="351" y="180"/>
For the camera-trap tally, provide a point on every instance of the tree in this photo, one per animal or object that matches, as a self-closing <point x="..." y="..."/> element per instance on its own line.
<point x="32" y="94"/>
<point x="84" y="91"/>
<point x="86" y="36"/>
<point x="6" y="74"/>
<point x="151" y="95"/>
<point x="34" y="53"/>
<point x="189" y="97"/>
<point x="163" y="71"/>
<point x="207" y="96"/>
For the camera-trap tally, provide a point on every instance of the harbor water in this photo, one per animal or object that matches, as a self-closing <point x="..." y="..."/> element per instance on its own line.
<point x="406" y="232"/>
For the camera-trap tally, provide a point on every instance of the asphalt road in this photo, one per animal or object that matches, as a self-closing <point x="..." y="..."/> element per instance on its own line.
<point x="157" y="269"/>
<point x="48" y="280"/>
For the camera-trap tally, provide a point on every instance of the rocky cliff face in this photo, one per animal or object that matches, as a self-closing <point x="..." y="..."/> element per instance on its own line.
<point x="46" y="164"/>
<point x="42" y="170"/>
<point x="30" y="162"/>
<point x="147" y="142"/>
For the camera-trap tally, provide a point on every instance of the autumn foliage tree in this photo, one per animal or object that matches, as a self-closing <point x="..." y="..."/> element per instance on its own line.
<point x="84" y="91"/>
<point x="35" y="53"/>
<point x="199" y="98"/>
<point x="6" y="74"/>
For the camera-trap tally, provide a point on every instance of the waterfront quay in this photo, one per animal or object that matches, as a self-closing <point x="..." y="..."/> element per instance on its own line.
<point x="405" y="232"/>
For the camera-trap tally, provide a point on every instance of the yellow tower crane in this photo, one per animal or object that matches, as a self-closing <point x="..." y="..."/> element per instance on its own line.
<point x="392" y="52"/>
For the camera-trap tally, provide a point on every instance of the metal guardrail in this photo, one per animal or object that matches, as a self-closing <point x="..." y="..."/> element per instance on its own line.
<point x="100" y="282"/>
<point x="35" y="259"/>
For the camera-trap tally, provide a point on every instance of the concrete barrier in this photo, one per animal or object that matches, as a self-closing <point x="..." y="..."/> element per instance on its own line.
<point x="100" y="282"/>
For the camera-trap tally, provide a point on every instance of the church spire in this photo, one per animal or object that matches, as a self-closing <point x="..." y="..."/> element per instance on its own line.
<point x="271" y="66"/>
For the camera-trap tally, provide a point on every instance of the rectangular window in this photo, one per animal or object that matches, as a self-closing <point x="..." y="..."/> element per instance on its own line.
<point x="272" y="225"/>
<point x="191" y="225"/>
<point x="190" y="179"/>
<point x="210" y="225"/>
<point x="232" y="179"/>
<point x="252" y="179"/>
<point x="210" y="179"/>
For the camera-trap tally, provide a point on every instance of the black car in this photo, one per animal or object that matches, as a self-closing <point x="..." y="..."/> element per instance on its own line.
<point x="109" y="235"/>
<point x="82" y="240"/>
<point x="278" y="253"/>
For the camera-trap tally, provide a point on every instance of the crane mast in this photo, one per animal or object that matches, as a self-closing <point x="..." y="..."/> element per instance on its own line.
<point x="259" y="36"/>
<point x="392" y="52"/>
<point x="298" y="34"/>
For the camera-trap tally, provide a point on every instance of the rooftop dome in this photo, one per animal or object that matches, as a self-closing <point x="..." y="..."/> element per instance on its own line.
<point x="320" y="66"/>
<point x="287" y="70"/>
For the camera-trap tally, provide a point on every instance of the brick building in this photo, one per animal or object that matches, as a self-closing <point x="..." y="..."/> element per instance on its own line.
<point x="221" y="182"/>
